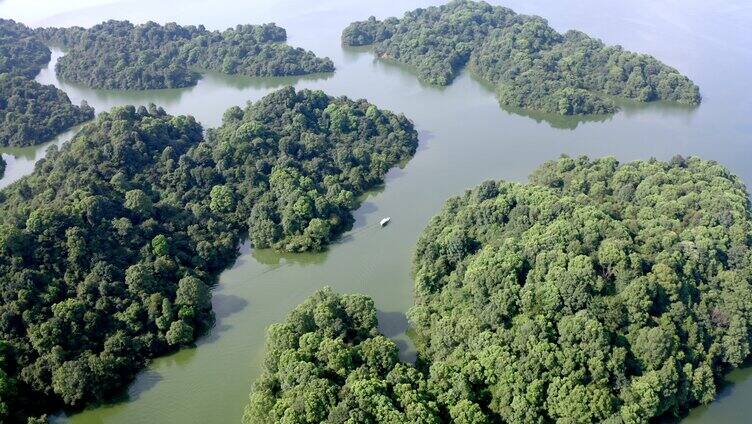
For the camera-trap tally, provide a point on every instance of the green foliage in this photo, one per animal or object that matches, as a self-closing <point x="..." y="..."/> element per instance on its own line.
<point x="531" y="64"/>
<point x="599" y="292"/>
<point x="119" y="55"/>
<point x="7" y="385"/>
<point x="221" y="199"/>
<point x="326" y="363"/>
<point x="32" y="113"/>
<point x="21" y="53"/>
<point x="307" y="168"/>
<point x="108" y="249"/>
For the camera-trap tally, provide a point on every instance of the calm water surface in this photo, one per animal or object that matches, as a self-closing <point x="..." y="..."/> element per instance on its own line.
<point x="465" y="138"/>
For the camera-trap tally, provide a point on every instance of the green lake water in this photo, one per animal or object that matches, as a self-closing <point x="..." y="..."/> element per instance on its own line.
<point x="465" y="138"/>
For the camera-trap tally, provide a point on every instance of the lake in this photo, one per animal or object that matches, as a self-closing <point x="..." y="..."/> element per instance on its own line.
<point x="465" y="138"/>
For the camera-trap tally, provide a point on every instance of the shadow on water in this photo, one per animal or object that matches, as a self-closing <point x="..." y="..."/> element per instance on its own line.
<point x="365" y="208"/>
<point x="243" y="82"/>
<point x="424" y="136"/>
<point x="395" y="326"/>
<point x="628" y="107"/>
<point x="661" y="108"/>
<point x="351" y="53"/>
<point x="224" y="306"/>
<point x="556" y="121"/>
<point x="392" y="324"/>
<point x="147" y="380"/>
<point x="167" y="96"/>
<point x="727" y="391"/>
<point x="279" y="259"/>
<point x="389" y="67"/>
<point x="163" y="97"/>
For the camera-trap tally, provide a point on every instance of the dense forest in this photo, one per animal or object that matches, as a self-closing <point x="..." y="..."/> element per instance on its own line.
<point x="531" y="65"/>
<point x="598" y="292"/>
<point x="120" y="55"/>
<point x="21" y="53"/>
<point x="327" y="363"/>
<point x="2" y="166"/>
<point x="30" y="113"/>
<point x="108" y="249"/>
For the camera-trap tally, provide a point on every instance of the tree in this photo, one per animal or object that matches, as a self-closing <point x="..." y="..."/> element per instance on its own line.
<point x="149" y="55"/>
<point x="530" y="64"/>
<point x="139" y="203"/>
<point x="30" y="113"/>
<point x="221" y="199"/>
<point x="108" y="249"/>
<point x="180" y="333"/>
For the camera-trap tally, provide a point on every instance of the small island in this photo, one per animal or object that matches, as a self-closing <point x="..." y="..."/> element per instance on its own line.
<point x="21" y="52"/>
<point x="108" y="249"/>
<point x="30" y="113"/>
<point x="598" y="292"/>
<point x="121" y="56"/>
<point x="328" y="363"/>
<point x="530" y="65"/>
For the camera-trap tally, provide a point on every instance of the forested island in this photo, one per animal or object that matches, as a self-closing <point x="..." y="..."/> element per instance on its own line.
<point x="21" y="52"/>
<point x="30" y="113"/>
<point x="122" y="56"/>
<point x="108" y="249"/>
<point x="598" y="292"/>
<point x="530" y="64"/>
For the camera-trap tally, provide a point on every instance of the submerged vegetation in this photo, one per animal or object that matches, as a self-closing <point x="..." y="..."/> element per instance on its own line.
<point x="120" y="55"/>
<point x="108" y="249"/>
<point x="598" y="292"/>
<point x="30" y="113"/>
<point x="531" y="65"/>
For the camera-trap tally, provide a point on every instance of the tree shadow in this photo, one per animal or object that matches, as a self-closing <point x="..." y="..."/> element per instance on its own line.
<point x="424" y="136"/>
<point x="243" y="82"/>
<point x="359" y="214"/>
<point x="395" y="326"/>
<point x="554" y="120"/>
<point x="389" y="66"/>
<point x="129" y="392"/>
<point x="223" y="305"/>
<point x="726" y="388"/>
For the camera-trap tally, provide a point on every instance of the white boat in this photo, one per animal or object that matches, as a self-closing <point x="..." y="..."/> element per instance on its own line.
<point x="385" y="221"/>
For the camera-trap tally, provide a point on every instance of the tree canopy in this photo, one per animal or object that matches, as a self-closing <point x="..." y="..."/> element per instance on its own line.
<point x="531" y="65"/>
<point x="120" y="55"/>
<point x="21" y="53"/>
<point x="327" y="363"/>
<point x="108" y="249"/>
<point x="30" y="113"/>
<point x="598" y="292"/>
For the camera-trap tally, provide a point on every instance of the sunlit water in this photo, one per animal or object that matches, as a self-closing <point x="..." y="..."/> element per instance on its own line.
<point x="465" y="138"/>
